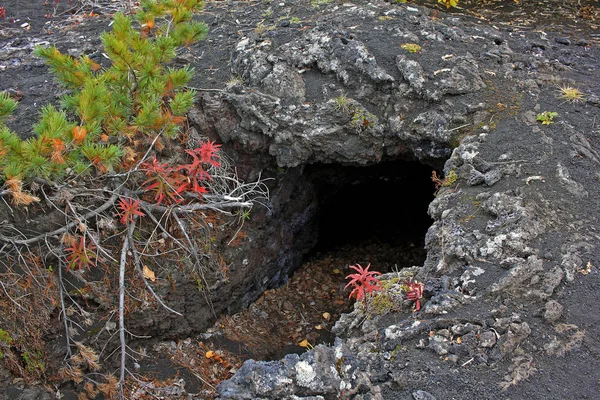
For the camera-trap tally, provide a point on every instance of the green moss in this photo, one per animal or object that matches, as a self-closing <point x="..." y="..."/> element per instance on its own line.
<point x="450" y="179"/>
<point x="386" y="284"/>
<point x="362" y="119"/>
<point x="411" y="47"/>
<point x="5" y="337"/>
<point x="33" y="361"/>
<point x="382" y="304"/>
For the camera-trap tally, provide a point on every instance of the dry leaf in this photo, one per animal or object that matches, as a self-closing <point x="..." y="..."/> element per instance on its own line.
<point x="327" y="316"/>
<point x="587" y="269"/>
<point x="319" y="327"/>
<point x="148" y="273"/>
<point x="19" y="198"/>
<point x="305" y="344"/>
<point x="210" y="354"/>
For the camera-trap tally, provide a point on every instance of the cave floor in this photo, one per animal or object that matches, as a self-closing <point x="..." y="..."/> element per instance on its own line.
<point x="289" y="319"/>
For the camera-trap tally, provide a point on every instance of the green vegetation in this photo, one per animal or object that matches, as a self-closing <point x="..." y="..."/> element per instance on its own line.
<point x="342" y="103"/>
<point x="571" y="94"/>
<point x="450" y="179"/>
<point x="411" y="47"/>
<point x="449" y="3"/>
<point x="5" y="341"/>
<point x="319" y="3"/>
<point x="547" y="117"/>
<point x="33" y="361"/>
<point x="5" y="337"/>
<point x="261" y="28"/>
<point x="136" y="96"/>
<point x="362" y="119"/>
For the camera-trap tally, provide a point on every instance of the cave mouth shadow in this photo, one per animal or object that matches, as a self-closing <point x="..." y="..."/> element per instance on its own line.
<point x="384" y="203"/>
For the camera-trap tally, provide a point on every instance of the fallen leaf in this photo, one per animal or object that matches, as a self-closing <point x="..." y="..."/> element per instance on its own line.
<point x="587" y="269"/>
<point x="210" y="354"/>
<point x="319" y="327"/>
<point x="305" y="344"/>
<point x="458" y="340"/>
<point x="148" y="273"/>
<point x="336" y="271"/>
<point x="327" y="316"/>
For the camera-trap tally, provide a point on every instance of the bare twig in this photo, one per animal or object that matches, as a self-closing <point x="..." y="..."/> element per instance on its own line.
<point x="190" y="208"/>
<point x="10" y="298"/>
<point x="109" y="203"/>
<point x="63" y="309"/>
<point x="136" y="261"/>
<point x="122" y="265"/>
<point x="192" y="249"/>
<point x="160" y="226"/>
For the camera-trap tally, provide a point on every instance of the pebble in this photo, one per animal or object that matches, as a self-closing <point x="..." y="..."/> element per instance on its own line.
<point x="422" y="395"/>
<point x="487" y="339"/>
<point x="553" y="311"/>
<point x="562" y="40"/>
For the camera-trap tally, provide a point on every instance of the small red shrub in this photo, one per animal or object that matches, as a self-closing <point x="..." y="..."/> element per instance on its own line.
<point x="362" y="282"/>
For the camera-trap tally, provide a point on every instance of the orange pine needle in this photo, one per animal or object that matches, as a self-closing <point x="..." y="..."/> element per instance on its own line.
<point x="19" y="198"/>
<point x="79" y="134"/>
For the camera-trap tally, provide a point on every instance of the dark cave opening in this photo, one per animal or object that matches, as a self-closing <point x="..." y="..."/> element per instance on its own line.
<point x="384" y="205"/>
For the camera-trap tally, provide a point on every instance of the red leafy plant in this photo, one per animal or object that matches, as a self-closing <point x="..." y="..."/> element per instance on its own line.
<point x="81" y="255"/>
<point x="413" y="291"/>
<point x="164" y="181"/>
<point x="363" y="282"/>
<point x="129" y="209"/>
<point x="201" y="156"/>
<point x="169" y="183"/>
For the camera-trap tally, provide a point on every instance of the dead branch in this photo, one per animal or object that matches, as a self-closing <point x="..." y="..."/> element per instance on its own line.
<point x="192" y="250"/>
<point x="109" y="203"/>
<point x="122" y="265"/>
<point x="160" y="226"/>
<point x="63" y="308"/>
<point x="190" y="208"/>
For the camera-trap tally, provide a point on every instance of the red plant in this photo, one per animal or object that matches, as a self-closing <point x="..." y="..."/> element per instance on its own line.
<point x="130" y="208"/>
<point x="169" y="182"/>
<point x="164" y="181"/>
<point x="2" y="12"/>
<point x="208" y="153"/>
<point x="81" y="256"/>
<point x="414" y="291"/>
<point x="364" y="281"/>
